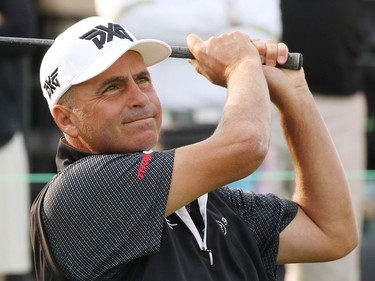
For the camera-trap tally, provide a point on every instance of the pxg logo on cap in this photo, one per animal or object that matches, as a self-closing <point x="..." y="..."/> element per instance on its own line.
<point x="101" y="34"/>
<point x="52" y="83"/>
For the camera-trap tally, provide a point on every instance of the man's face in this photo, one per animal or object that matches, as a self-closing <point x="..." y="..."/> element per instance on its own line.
<point x="118" y="111"/>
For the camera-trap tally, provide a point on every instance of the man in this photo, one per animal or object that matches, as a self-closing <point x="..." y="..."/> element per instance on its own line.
<point x="118" y="210"/>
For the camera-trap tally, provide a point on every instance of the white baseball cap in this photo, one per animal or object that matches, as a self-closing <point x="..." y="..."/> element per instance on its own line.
<point x="88" y="48"/>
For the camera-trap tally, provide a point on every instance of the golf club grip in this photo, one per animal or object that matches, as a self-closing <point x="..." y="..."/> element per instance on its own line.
<point x="294" y="61"/>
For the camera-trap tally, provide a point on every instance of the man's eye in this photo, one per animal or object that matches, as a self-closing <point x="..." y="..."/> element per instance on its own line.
<point x="144" y="79"/>
<point x="111" y="87"/>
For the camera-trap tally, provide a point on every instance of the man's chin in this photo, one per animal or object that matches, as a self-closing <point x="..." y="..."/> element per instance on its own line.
<point x="145" y="144"/>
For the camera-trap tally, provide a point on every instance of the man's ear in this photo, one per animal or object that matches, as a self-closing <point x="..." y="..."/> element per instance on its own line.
<point x="64" y="118"/>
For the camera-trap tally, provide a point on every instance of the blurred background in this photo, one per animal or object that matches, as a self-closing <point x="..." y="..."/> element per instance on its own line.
<point x="41" y="135"/>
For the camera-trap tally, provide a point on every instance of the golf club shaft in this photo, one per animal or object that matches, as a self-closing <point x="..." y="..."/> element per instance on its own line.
<point x="294" y="61"/>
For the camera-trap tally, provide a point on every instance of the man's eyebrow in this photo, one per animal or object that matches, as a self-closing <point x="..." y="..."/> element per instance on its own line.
<point x="111" y="80"/>
<point x="142" y="73"/>
<point x="122" y="79"/>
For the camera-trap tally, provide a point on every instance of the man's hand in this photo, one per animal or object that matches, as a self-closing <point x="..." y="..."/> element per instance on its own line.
<point x="219" y="57"/>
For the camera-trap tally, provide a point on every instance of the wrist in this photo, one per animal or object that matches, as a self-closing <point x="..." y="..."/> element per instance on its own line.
<point x="246" y="69"/>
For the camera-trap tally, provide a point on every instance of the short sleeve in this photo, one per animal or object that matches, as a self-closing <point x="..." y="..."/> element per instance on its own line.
<point x="105" y="210"/>
<point x="266" y="216"/>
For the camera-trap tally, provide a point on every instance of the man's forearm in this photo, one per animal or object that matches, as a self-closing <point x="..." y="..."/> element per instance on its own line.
<point x="322" y="189"/>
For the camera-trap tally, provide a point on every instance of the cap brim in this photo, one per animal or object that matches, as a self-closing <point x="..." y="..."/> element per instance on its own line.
<point x="152" y="51"/>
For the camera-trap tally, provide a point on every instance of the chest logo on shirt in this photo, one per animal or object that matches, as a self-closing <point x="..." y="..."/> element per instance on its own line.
<point x="223" y="223"/>
<point x="171" y="225"/>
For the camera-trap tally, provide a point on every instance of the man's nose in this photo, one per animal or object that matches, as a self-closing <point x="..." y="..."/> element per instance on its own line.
<point x="137" y="96"/>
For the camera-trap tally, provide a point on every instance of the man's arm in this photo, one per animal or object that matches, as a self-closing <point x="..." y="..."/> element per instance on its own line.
<point x="240" y="142"/>
<point x="324" y="228"/>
